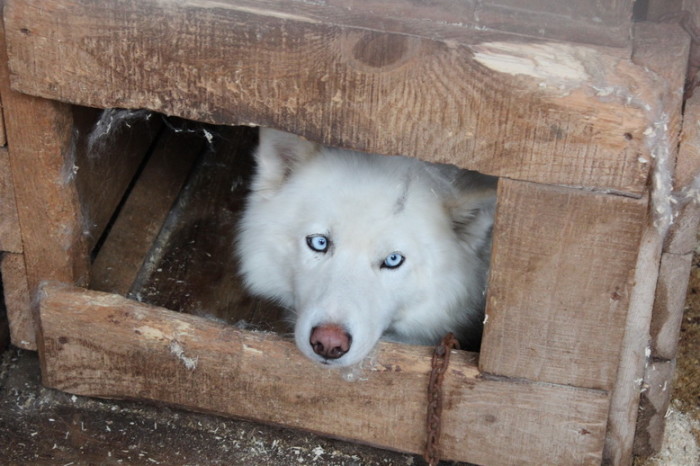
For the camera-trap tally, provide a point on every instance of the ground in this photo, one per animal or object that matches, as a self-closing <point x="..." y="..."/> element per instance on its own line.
<point x="43" y="426"/>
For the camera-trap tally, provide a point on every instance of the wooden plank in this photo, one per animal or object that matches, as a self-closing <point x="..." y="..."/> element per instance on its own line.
<point x="669" y="62"/>
<point x="17" y="301"/>
<point x="561" y="270"/>
<point x="108" y="148"/>
<point x="653" y="404"/>
<point x="572" y="21"/>
<point x="140" y="220"/>
<point x="494" y="103"/>
<point x="10" y="236"/>
<point x="39" y="136"/>
<point x="192" y="266"/>
<point x="104" y="345"/>
<point x="669" y="301"/>
<point x="688" y="163"/>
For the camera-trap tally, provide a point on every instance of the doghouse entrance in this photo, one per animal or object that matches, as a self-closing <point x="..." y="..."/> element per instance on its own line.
<point x="171" y="240"/>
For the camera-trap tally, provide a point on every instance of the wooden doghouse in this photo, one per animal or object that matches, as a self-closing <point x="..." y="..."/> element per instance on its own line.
<point x="577" y="109"/>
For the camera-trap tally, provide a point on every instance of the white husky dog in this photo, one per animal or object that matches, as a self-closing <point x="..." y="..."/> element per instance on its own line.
<point x="362" y="246"/>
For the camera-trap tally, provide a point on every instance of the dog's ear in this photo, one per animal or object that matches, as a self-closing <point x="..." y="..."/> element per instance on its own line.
<point x="277" y="155"/>
<point x="472" y="208"/>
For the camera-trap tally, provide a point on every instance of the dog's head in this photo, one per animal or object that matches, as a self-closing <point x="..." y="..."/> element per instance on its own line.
<point x="358" y="246"/>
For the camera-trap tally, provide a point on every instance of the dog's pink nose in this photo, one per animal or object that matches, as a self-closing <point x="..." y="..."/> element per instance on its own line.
<point x="330" y="341"/>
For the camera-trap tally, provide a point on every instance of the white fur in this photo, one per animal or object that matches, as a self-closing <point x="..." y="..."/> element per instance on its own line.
<point x="437" y="216"/>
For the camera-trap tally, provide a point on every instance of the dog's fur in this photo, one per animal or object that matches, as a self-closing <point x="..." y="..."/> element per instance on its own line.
<point x="372" y="210"/>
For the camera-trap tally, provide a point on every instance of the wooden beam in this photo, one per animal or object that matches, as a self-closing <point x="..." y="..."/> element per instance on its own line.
<point x="663" y="49"/>
<point x="494" y="103"/>
<point x="667" y="314"/>
<point x="561" y="270"/>
<point x="39" y="134"/>
<point x="10" y="236"/>
<point x="104" y="345"/>
<point x="17" y="301"/>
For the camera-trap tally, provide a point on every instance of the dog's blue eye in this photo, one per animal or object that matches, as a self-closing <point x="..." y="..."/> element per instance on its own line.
<point x="318" y="243"/>
<point x="393" y="261"/>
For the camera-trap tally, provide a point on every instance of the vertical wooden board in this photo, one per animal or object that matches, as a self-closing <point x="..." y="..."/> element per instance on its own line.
<point x="667" y="313"/>
<point x="661" y="48"/>
<point x="487" y="103"/>
<point x="3" y="136"/>
<point x="653" y="405"/>
<point x="17" y="301"/>
<point x="107" y="149"/>
<point x="39" y="139"/>
<point x="561" y="270"/>
<point x="104" y="345"/>
<point x="688" y="162"/>
<point x="140" y="219"/>
<point x="192" y="266"/>
<point x="10" y="235"/>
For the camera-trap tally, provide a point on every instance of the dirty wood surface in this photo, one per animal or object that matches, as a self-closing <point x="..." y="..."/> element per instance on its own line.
<point x="10" y="237"/>
<point x="561" y="270"/>
<point x="140" y="219"/>
<point x="131" y="350"/>
<point x="17" y="300"/>
<point x="492" y="103"/>
<point x="39" y="135"/>
<point x="107" y="149"/>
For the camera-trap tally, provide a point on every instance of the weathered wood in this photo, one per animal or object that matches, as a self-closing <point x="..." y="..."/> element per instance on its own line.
<point x="39" y="137"/>
<point x="108" y="148"/>
<point x="17" y="301"/>
<point x="104" y="345"/>
<point x="140" y="220"/>
<point x="498" y="104"/>
<point x="10" y="236"/>
<point x="688" y="163"/>
<point x="653" y="52"/>
<point x="561" y="270"/>
<point x="3" y="136"/>
<point x="667" y="313"/>
<point x="192" y="266"/>
<point x="653" y="404"/>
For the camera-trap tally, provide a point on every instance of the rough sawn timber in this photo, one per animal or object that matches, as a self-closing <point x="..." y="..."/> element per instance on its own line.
<point x="561" y="273"/>
<point x="548" y="112"/>
<point x="103" y="345"/>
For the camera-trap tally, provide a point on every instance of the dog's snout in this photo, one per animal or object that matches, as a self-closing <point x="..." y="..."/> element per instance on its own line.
<point x="330" y="341"/>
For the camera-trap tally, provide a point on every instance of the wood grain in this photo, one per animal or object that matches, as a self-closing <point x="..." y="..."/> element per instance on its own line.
<point x="192" y="266"/>
<point x="654" y="49"/>
<point x="104" y="345"/>
<point x="653" y="405"/>
<point x="17" y="301"/>
<point x="39" y="134"/>
<point x="143" y="214"/>
<point x="10" y="235"/>
<point x="561" y="274"/>
<point x="669" y="301"/>
<point x="494" y="103"/>
<point x="108" y="148"/>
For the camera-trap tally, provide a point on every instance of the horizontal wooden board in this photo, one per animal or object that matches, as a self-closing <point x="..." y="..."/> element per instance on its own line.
<point x="10" y="236"/>
<point x="104" y="345"/>
<point x="561" y="274"/>
<point x="498" y="104"/>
